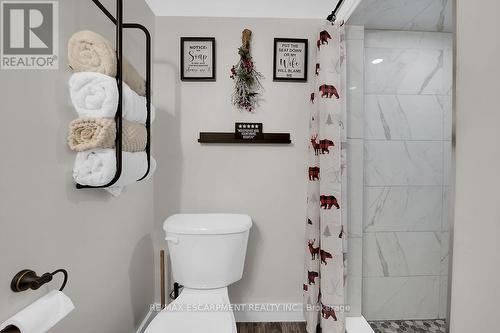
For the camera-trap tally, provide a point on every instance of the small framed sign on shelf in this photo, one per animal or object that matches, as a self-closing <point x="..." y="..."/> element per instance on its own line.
<point x="290" y="59"/>
<point x="197" y="59"/>
<point x="248" y="131"/>
<point x="245" y="133"/>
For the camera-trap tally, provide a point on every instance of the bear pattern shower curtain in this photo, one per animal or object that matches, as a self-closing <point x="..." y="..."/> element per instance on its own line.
<point x="325" y="247"/>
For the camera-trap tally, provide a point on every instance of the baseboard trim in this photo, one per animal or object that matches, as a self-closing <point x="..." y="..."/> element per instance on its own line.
<point x="145" y="322"/>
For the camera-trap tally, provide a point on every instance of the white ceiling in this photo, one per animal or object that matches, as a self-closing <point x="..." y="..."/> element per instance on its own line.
<point x="243" y="8"/>
<point x="420" y="15"/>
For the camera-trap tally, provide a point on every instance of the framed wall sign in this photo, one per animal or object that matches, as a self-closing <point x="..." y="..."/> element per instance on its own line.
<point x="290" y="59"/>
<point x="197" y="58"/>
<point x="248" y="131"/>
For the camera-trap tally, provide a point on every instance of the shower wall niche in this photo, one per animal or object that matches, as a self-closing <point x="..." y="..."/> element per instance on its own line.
<point x="407" y="132"/>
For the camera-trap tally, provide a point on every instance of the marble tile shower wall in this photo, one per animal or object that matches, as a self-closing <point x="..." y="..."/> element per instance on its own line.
<point x="355" y="78"/>
<point x="407" y="130"/>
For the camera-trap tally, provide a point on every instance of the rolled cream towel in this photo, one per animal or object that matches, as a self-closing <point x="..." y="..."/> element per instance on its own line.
<point x="96" y="95"/>
<point x="41" y="315"/>
<point x="97" y="167"/>
<point x="91" y="52"/>
<point x="100" y="133"/>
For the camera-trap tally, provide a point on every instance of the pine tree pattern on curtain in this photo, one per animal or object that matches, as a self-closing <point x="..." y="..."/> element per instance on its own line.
<point x="326" y="230"/>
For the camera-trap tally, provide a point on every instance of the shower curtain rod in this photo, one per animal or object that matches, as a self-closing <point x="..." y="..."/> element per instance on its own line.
<point x="333" y="16"/>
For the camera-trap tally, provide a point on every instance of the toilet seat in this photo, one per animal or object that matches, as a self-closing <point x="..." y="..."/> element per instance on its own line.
<point x="188" y="314"/>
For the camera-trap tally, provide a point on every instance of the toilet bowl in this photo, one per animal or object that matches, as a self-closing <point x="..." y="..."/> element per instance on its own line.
<point x="207" y="253"/>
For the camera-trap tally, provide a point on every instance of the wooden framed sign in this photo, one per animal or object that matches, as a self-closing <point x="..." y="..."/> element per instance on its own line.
<point x="290" y="59"/>
<point x="197" y="58"/>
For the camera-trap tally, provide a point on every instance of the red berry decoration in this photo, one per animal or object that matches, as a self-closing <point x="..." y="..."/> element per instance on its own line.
<point x="246" y="78"/>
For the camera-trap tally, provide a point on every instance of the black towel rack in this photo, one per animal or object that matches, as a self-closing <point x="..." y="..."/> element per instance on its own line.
<point x="118" y="21"/>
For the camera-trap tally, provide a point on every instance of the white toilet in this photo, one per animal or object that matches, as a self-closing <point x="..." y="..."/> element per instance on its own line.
<point x="207" y="252"/>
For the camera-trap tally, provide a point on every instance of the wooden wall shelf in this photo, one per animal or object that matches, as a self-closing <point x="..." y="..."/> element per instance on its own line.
<point x="269" y="138"/>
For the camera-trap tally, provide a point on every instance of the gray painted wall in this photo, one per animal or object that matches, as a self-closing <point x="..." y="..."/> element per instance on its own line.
<point x="266" y="182"/>
<point x="475" y="285"/>
<point x="104" y="242"/>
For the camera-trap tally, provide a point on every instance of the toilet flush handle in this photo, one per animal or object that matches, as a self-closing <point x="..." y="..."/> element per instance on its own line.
<point x="174" y="240"/>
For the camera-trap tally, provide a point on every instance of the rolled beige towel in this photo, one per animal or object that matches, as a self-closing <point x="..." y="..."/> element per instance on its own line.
<point x="91" y="52"/>
<point x="100" y="133"/>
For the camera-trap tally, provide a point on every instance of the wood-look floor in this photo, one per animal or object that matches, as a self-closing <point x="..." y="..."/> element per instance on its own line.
<point x="271" y="328"/>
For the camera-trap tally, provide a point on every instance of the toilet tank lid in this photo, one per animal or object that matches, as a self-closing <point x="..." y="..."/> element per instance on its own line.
<point x="210" y="224"/>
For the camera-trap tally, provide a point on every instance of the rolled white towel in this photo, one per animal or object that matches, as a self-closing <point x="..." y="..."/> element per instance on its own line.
<point x="98" y="167"/>
<point x="117" y="190"/>
<point x="96" y="95"/>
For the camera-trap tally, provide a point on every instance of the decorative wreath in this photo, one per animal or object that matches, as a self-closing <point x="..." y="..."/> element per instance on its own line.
<point x="246" y="78"/>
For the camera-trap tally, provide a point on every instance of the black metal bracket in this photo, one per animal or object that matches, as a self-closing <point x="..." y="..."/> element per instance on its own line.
<point x="28" y="279"/>
<point x="333" y="16"/>
<point x="118" y="21"/>
<point x="176" y="291"/>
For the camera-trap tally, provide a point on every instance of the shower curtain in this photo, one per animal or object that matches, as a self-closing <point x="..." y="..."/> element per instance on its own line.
<point x="326" y="232"/>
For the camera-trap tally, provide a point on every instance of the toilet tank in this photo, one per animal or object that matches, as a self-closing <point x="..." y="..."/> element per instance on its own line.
<point x="207" y="251"/>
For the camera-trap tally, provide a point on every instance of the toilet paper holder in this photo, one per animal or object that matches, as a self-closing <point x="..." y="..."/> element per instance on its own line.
<point x="28" y="279"/>
<point x="10" y="329"/>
